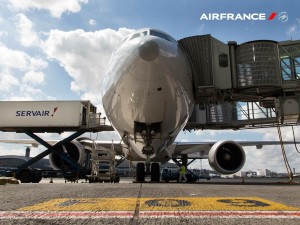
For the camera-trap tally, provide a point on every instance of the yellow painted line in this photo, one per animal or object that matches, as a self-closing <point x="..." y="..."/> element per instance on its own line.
<point x="85" y="204"/>
<point x="161" y="204"/>
<point x="212" y="204"/>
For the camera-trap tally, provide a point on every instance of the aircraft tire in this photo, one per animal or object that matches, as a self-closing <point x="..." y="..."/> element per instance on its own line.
<point x="140" y="172"/>
<point x="155" y="172"/>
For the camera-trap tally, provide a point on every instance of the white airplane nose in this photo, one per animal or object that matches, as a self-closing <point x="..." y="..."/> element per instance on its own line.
<point x="149" y="51"/>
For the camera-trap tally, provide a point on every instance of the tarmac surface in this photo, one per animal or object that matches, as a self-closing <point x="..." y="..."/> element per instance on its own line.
<point x="218" y="201"/>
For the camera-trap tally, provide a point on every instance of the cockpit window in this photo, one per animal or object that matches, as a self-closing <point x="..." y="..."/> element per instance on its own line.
<point x="162" y="35"/>
<point x="149" y="32"/>
<point x="139" y="35"/>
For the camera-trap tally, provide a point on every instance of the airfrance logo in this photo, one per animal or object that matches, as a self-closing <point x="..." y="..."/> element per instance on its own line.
<point x="283" y="16"/>
<point x="33" y="113"/>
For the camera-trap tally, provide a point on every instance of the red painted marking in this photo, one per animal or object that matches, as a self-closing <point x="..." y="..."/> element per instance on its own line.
<point x="146" y="214"/>
<point x="272" y="16"/>
<point x="55" y="109"/>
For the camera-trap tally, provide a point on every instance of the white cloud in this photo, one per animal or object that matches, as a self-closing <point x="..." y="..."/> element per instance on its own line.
<point x="8" y="81"/>
<point x="214" y="133"/>
<point x="3" y="33"/>
<point x="13" y="84"/>
<point x="34" y="77"/>
<point x="15" y="59"/>
<point x="84" y="56"/>
<point x="55" y="7"/>
<point x="295" y="28"/>
<point x="28" y="36"/>
<point x="92" y="22"/>
<point x="292" y="29"/>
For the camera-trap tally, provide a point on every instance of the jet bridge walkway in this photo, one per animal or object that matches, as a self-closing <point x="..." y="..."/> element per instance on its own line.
<point x="251" y="85"/>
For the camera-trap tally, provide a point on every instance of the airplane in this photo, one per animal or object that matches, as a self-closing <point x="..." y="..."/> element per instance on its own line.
<point x="148" y="98"/>
<point x="148" y="95"/>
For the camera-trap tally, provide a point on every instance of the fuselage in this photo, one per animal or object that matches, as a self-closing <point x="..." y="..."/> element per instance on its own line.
<point x="148" y="94"/>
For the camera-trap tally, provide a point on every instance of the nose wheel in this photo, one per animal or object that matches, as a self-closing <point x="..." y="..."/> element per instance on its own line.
<point x="155" y="172"/>
<point x="141" y="172"/>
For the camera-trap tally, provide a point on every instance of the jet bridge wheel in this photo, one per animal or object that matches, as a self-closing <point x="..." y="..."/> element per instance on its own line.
<point x="140" y="172"/>
<point x="155" y="172"/>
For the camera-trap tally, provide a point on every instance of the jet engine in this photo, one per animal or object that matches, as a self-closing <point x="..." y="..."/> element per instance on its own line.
<point x="74" y="150"/>
<point x="226" y="157"/>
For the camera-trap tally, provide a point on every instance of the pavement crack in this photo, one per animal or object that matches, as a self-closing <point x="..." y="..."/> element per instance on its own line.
<point x="134" y="220"/>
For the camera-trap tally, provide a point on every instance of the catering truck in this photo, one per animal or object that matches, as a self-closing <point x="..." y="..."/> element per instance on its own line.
<point x="47" y="116"/>
<point x="71" y="155"/>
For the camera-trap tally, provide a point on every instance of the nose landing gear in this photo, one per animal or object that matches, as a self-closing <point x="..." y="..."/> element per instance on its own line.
<point x="142" y="170"/>
<point x="147" y="132"/>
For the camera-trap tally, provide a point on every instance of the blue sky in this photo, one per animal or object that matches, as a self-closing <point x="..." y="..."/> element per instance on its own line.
<point x="58" y="50"/>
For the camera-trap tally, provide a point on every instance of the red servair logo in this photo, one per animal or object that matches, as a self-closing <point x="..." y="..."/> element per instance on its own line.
<point x="282" y="16"/>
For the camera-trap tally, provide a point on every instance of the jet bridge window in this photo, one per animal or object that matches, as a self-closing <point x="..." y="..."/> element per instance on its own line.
<point x="290" y="61"/>
<point x="223" y="60"/>
<point x="286" y="71"/>
<point x="162" y="35"/>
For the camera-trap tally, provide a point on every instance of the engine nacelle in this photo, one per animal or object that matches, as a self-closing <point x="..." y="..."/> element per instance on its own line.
<point x="227" y="157"/>
<point x="75" y="151"/>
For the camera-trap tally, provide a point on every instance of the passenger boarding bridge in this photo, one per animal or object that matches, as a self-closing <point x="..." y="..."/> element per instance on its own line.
<point x="251" y="85"/>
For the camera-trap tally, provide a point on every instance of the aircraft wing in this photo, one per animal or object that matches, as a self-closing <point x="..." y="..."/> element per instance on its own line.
<point x="116" y="146"/>
<point x="33" y="143"/>
<point x="199" y="150"/>
<point x="194" y="150"/>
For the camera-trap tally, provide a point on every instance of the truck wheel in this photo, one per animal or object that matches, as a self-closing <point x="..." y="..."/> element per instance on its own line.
<point x="26" y="176"/>
<point x="117" y="179"/>
<point x="37" y="179"/>
<point x="37" y="176"/>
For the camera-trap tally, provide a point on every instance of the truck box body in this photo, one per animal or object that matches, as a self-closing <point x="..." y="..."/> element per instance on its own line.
<point x="32" y="115"/>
